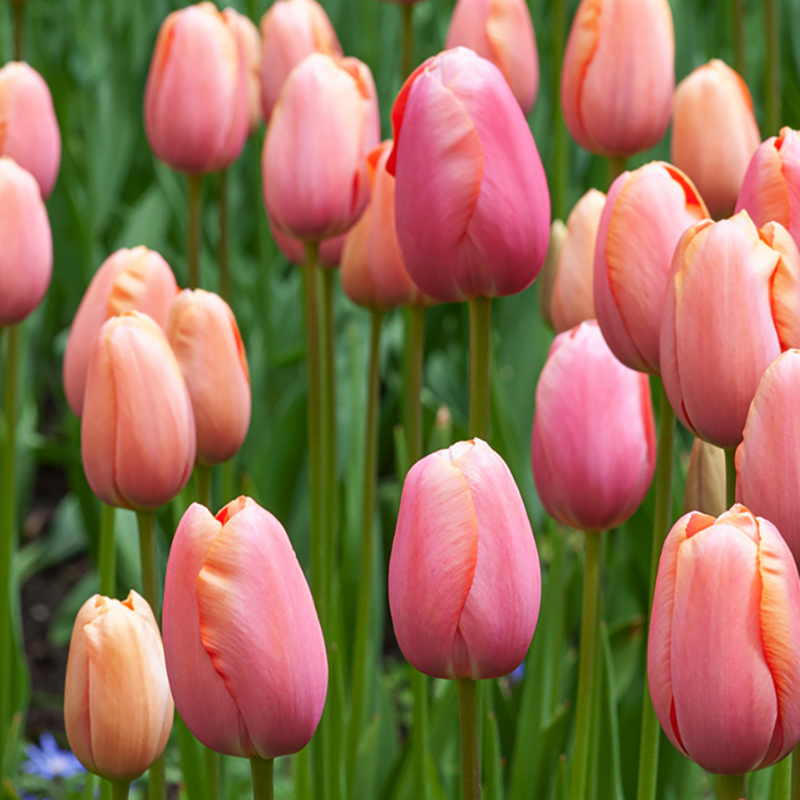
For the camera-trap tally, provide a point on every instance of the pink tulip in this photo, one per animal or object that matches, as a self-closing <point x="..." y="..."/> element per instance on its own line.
<point x="732" y="306"/>
<point x="464" y="577"/>
<point x="290" y="31"/>
<point x="137" y="438"/>
<point x="714" y="133"/>
<point x="128" y="280"/>
<point x="195" y="105"/>
<point x="330" y="250"/>
<point x="646" y="213"/>
<point x="250" y="44"/>
<point x="723" y="660"/>
<point x="314" y="161"/>
<point x="28" y="126"/>
<point x="245" y="653"/>
<point x="593" y="448"/>
<point x="500" y="31"/>
<point x="472" y="207"/>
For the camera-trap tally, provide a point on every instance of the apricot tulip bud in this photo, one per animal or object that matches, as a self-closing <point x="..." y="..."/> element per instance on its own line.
<point x="245" y="653"/>
<point x="249" y="42"/>
<point x="547" y="277"/>
<point x="28" y="127"/>
<point x="593" y="446"/>
<point x="128" y="280"/>
<point x="723" y="659"/>
<point x="118" y="709"/>
<point x="705" y="480"/>
<point x="205" y="339"/>
<point x="137" y="439"/>
<point x="464" y="577"/>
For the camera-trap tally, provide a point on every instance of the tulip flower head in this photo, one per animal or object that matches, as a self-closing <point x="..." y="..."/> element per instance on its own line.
<point x="549" y="273"/>
<point x="330" y="250"/>
<point x="249" y="42"/>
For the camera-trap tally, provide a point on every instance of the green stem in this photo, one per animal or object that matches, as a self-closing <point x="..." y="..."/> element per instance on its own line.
<point x="107" y="560"/>
<point x="147" y="551"/>
<point x="586" y="667"/>
<point x="195" y="208"/>
<point x="730" y="476"/>
<point x="223" y="255"/>
<point x="119" y="790"/>
<point x="560" y="137"/>
<point x="737" y="18"/>
<point x="730" y="787"/>
<point x="781" y="780"/>
<point x="328" y="347"/>
<point x="407" y="62"/>
<point x="468" y="713"/>
<point x="480" y="309"/>
<point x="203" y="476"/>
<point x="796" y="773"/>
<point x="156" y="788"/>
<point x="616" y="166"/>
<point x="211" y="764"/>
<point x="772" y="117"/>
<point x="191" y="765"/>
<point x="18" y="12"/>
<point x="416" y="353"/>
<point x="262" y="778"/>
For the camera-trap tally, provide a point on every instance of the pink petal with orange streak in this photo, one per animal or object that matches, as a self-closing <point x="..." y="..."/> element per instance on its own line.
<point x="764" y="192"/>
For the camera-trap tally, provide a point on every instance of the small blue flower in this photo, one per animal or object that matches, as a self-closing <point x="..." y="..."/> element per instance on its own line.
<point x="48" y="761"/>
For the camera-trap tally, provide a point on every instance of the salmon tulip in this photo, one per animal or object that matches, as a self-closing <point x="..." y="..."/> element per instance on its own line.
<point x="549" y="273"/>
<point x="250" y="45"/>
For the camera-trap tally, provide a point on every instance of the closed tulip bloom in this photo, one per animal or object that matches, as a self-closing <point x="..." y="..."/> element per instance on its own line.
<point x="714" y="133"/>
<point x="502" y="32"/>
<point x="705" y="480"/>
<point x="128" y="280"/>
<point x="646" y="213"/>
<point x="290" y="31"/>
<point x="195" y="107"/>
<point x="205" y="339"/>
<point x="138" y="438"/>
<point x="118" y="709"/>
<point x="732" y="307"/>
<point x="250" y="44"/>
<point x="245" y="653"/>
<point x="464" y="577"/>
<point x="26" y="256"/>
<point x="547" y="277"/>
<point x="472" y="207"/>
<point x="593" y="447"/>
<point x="314" y="161"/>
<point x="28" y="126"/>
<point x="723" y="659"/>
<point x="330" y="250"/>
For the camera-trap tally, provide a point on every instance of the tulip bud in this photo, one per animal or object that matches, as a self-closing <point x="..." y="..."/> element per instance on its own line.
<point x="723" y="660"/>
<point x="28" y="127"/>
<point x="715" y="345"/>
<point x="26" y="255"/>
<point x="314" y="167"/>
<point x="593" y="447"/>
<point x="205" y="339"/>
<point x="714" y="133"/>
<point x="547" y="277"/>
<point x="705" y="480"/>
<point x="195" y="105"/>
<point x="245" y="653"/>
<point x="118" y="708"/>
<point x="249" y="42"/>
<point x="128" y="280"/>
<point x="500" y="31"/>
<point x="471" y="196"/>
<point x="464" y="577"/>
<point x="137" y="439"/>
<point x="646" y="213"/>
<point x="330" y="250"/>
<point x="618" y="75"/>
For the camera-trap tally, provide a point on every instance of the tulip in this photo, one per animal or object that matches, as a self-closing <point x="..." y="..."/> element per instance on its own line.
<point x="245" y="654"/>
<point x="471" y="196"/>
<point x="118" y="708"/>
<point x="138" y="437"/>
<point x="500" y="31"/>
<point x="205" y="339"/>
<point x="330" y="250"/>
<point x="714" y="133"/>
<point x="314" y="168"/>
<point x="705" y="480"/>
<point x="249" y="42"/>
<point x="128" y="280"/>
<point x="723" y="657"/>
<point x="457" y="615"/>
<point x="290" y="31"/>
<point x="646" y="213"/>
<point x="593" y="446"/>
<point x="732" y="306"/>
<point x="26" y="257"/>
<point x="28" y="127"/>
<point x="195" y="105"/>
<point x="547" y="277"/>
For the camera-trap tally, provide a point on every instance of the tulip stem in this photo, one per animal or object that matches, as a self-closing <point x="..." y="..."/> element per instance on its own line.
<point x="223" y="255"/>
<point x="731" y="787"/>
<point x="772" y="117"/>
<point x="795" y="795"/>
<point x="407" y="62"/>
<point x="147" y="552"/>
<point x="18" y="12"/>
<point x="480" y="310"/>
<point x="468" y="712"/>
<point x="262" y="778"/>
<point x="737" y="14"/>
<point x="560" y="138"/>
<point x="203" y="477"/>
<point x="106" y="558"/>
<point x="328" y="349"/>
<point x="211" y="763"/>
<point x="616" y="166"/>
<point x="730" y="476"/>
<point x="119" y="790"/>
<point x="195" y="208"/>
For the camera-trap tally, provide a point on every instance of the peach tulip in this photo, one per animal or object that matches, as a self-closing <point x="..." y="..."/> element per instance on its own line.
<point x="314" y="160"/>
<point x="472" y="208"/>
<point x="593" y="446"/>
<point x="138" y="438"/>
<point x="245" y="653"/>
<point x="205" y="339"/>
<point x="250" y="44"/>
<point x="118" y="709"/>
<point x="723" y="659"/>
<point x="646" y="213"/>
<point x="502" y="32"/>
<point x="549" y="273"/>
<point x="732" y="307"/>
<point x="195" y="107"/>
<point x="714" y="133"/>
<point x="618" y="75"/>
<point x="128" y="280"/>
<point x="706" y="487"/>
<point x="330" y="250"/>
<point x="26" y="255"/>
<point x="464" y="577"/>
<point x="290" y="31"/>
<point x="28" y="126"/>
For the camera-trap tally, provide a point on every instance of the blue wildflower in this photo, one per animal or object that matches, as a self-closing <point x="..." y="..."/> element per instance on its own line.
<point x="48" y="761"/>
